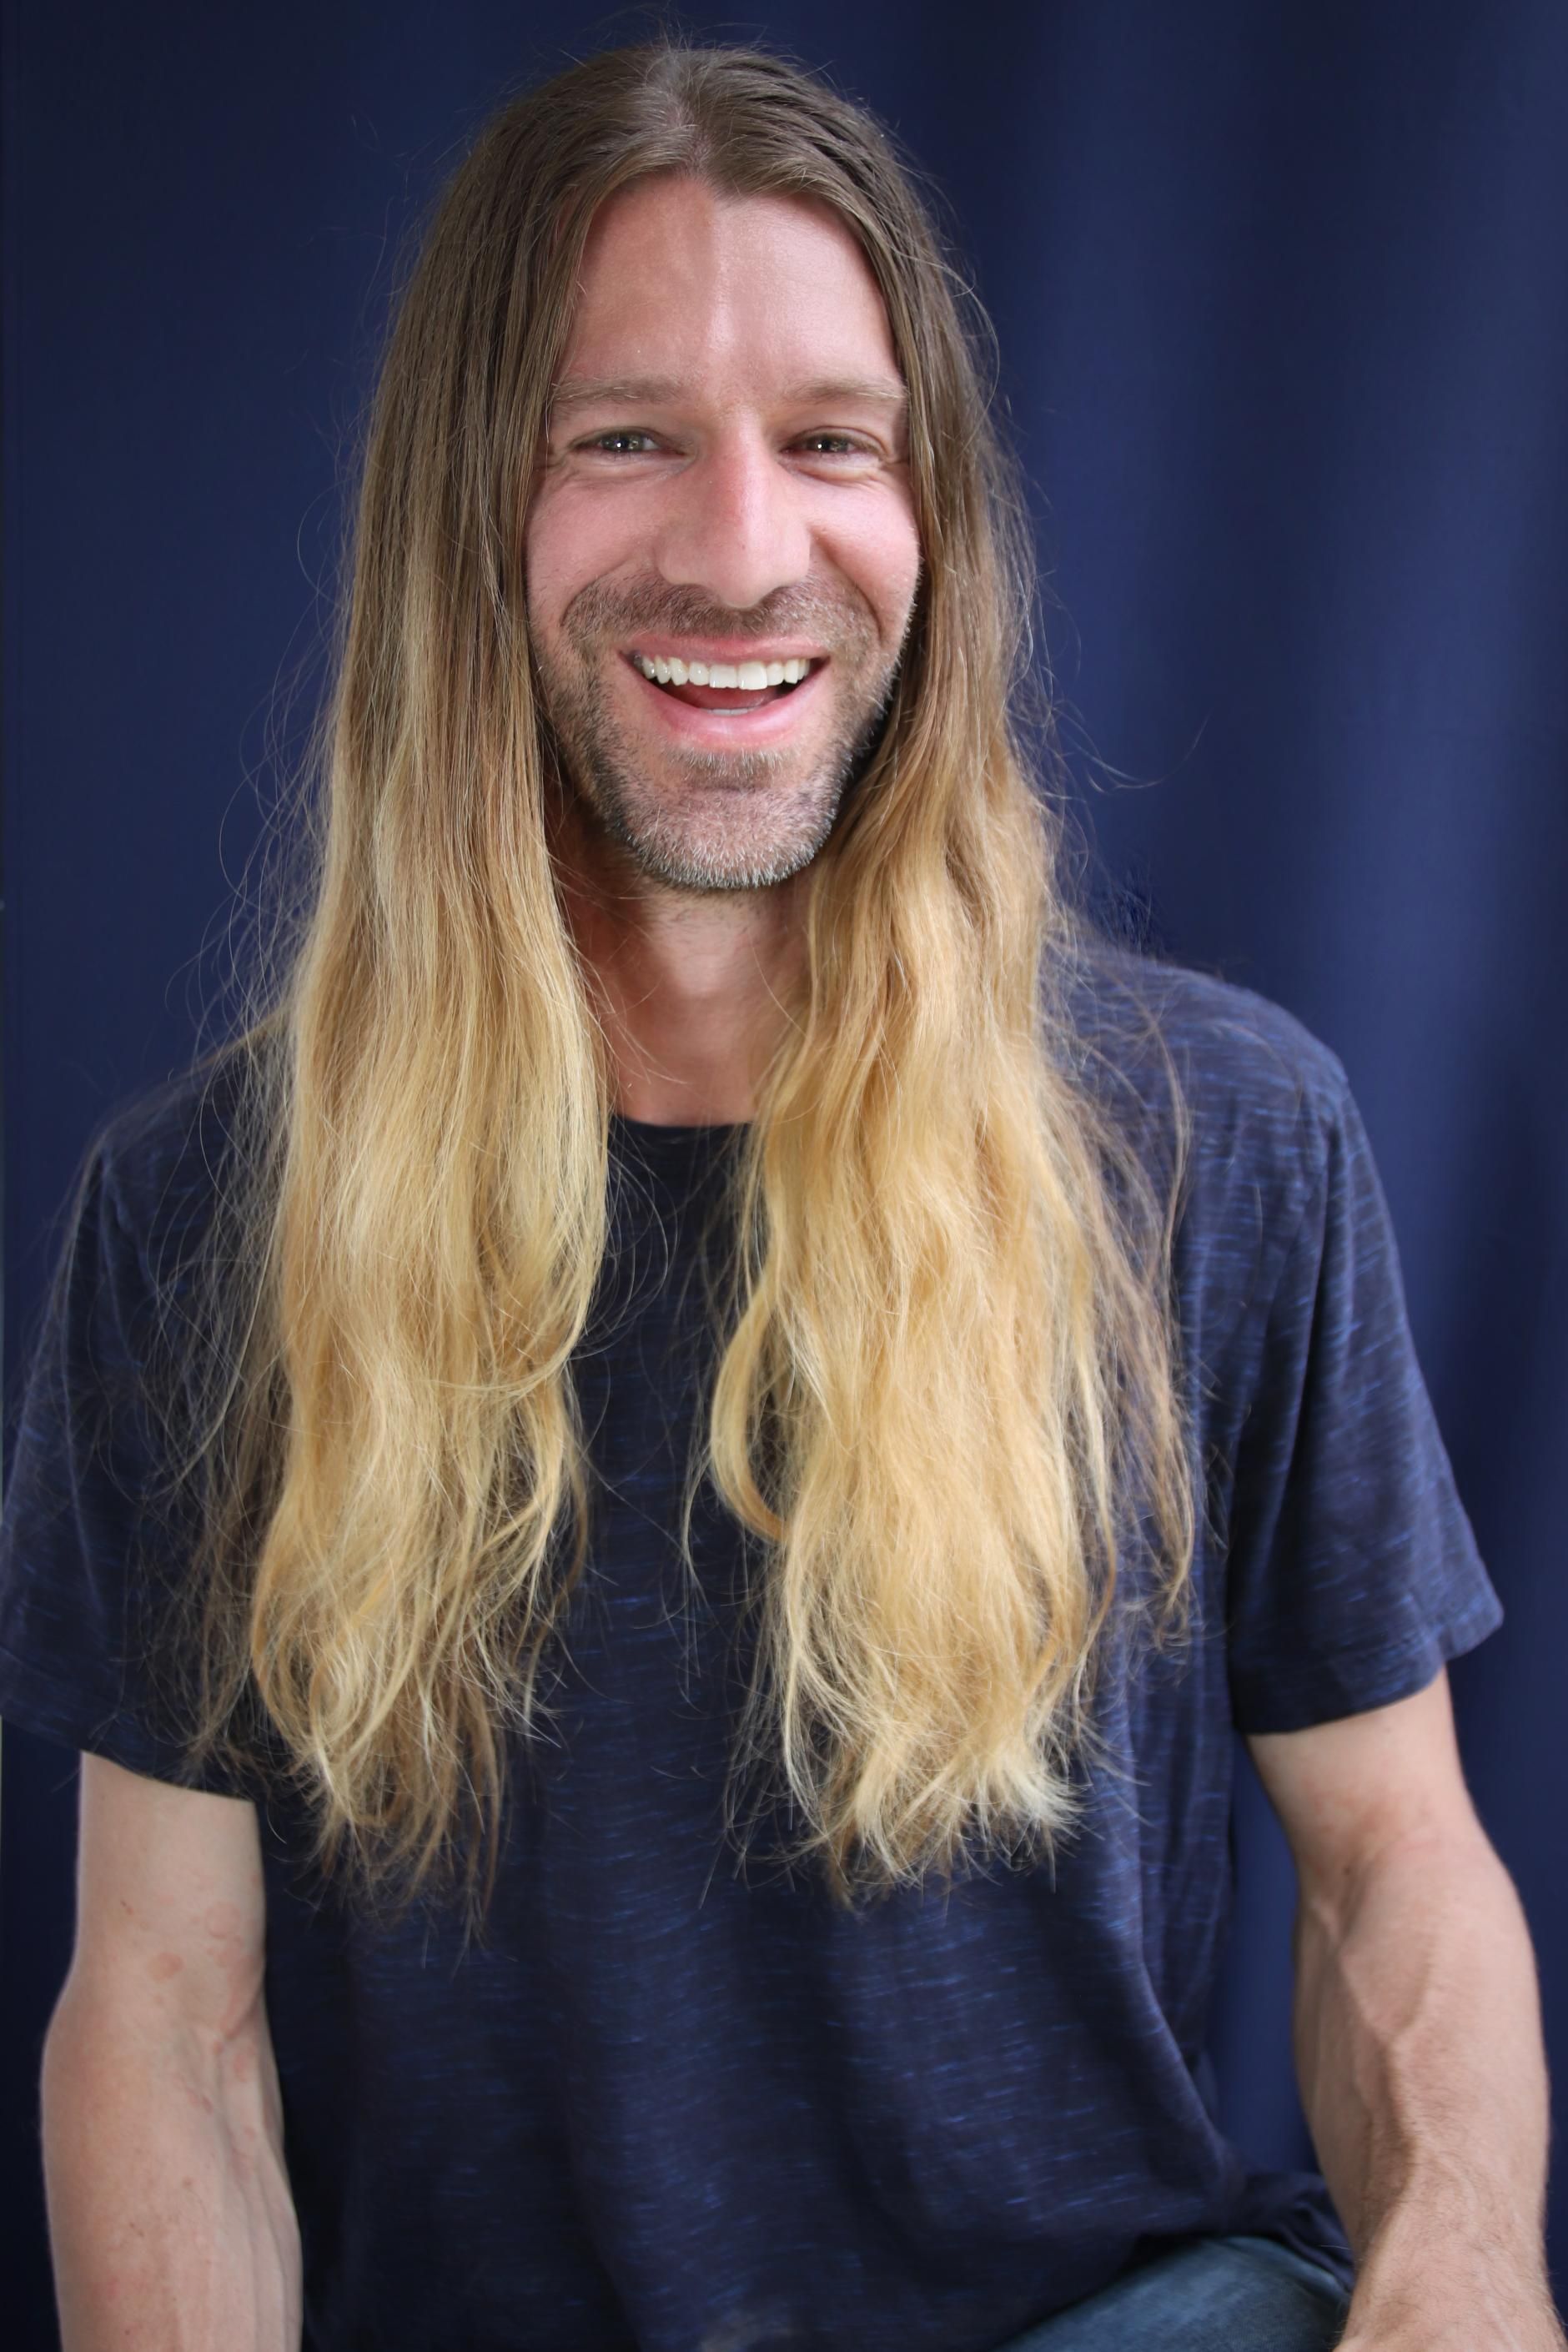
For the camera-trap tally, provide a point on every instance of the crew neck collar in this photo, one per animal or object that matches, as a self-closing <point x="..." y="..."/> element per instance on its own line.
<point x="657" y="1126"/>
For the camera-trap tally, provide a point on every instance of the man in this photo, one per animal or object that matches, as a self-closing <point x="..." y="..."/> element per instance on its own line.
<point x="654" y="1502"/>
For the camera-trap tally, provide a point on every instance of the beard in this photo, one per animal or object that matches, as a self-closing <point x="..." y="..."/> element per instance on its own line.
<point x="701" y="820"/>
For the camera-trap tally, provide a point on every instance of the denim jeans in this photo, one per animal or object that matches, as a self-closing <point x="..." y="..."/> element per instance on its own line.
<point x="1211" y="2294"/>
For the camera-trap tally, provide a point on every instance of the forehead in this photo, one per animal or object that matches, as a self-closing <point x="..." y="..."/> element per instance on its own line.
<point x="681" y="282"/>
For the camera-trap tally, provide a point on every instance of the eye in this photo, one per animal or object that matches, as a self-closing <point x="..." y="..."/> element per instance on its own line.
<point x="835" y="444"/>
<point x="601" y="443"/>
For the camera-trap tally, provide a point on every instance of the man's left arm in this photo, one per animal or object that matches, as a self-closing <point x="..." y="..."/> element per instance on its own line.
<point x="1418" y="2033"/>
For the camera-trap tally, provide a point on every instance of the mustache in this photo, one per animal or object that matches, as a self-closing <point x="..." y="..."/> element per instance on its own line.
<point x="599" y="611"/>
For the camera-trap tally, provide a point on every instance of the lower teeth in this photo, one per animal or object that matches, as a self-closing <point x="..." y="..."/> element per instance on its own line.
<point x="665" y="685"/>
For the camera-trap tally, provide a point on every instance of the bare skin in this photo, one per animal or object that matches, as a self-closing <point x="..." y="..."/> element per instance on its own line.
<point x="1418" y="2033"/>
<point x="171" y="2220"/>
<point x="750" y="495"/>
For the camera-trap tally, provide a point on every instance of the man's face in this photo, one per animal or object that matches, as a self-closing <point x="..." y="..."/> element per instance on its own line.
<point x="726" y="482"/>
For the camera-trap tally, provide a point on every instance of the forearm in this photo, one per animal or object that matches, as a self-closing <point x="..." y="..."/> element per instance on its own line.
<point x="1419" y="2052"/>
<point x="170" y="2221"/>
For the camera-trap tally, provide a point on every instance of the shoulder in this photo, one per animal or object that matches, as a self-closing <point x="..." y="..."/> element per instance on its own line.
<point x="1162" y="1046"/>
<point x="159" y="1163"/>
<point x="1240" y="1058"/>
<point x="1236" y="1114"/>
<point x="101" y="1519"/>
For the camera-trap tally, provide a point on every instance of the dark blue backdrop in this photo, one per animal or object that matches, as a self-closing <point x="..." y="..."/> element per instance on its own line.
<point x="1282" y="294"/>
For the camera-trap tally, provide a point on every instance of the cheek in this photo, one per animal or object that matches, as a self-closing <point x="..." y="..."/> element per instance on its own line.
<point x="884" y="562"/>
<point x="566" y="544"/>
<point x="911" y="567"/>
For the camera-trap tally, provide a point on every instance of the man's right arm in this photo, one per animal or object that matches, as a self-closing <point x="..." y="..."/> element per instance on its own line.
<point x="170" y="2216"/>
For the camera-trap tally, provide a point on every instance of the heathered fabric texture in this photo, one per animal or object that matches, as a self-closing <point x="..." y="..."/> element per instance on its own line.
<point x="673" y="2102"/>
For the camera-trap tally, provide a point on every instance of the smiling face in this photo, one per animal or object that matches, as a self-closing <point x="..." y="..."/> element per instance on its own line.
<point x="726" y="482"/>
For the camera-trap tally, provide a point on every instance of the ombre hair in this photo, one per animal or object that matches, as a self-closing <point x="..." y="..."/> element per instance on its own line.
<point x="945" y="1386"/>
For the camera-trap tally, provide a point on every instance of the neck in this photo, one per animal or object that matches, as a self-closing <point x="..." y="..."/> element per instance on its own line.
<point x="691" y="986"/>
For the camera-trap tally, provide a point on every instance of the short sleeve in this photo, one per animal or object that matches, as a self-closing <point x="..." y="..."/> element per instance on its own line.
<point x="1352" y="1572"/>
<point x="89" y="1559"/>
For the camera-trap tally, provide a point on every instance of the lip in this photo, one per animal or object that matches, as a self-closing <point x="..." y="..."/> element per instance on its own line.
<point x="725" y="730"/>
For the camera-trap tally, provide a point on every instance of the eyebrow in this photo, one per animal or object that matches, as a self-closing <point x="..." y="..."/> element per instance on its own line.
<point x="574" y="393"/>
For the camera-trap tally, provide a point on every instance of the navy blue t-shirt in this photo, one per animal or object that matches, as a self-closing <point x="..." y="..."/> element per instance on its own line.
<point x="672" y="2102"/>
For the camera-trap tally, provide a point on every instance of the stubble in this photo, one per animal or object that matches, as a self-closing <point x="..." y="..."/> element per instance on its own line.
<point x="697" y="820"/>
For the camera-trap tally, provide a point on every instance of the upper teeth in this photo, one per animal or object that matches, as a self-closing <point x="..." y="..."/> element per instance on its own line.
<point x="749" y="677"/>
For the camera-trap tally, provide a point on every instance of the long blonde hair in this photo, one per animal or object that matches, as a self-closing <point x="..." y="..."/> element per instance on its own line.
<point x="946" y="1379"/>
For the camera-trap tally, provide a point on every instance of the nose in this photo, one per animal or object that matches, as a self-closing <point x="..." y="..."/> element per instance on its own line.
<point x="736" y="528"/>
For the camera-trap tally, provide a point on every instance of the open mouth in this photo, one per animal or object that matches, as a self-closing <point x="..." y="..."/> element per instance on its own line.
<point x="735" y="687"/>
